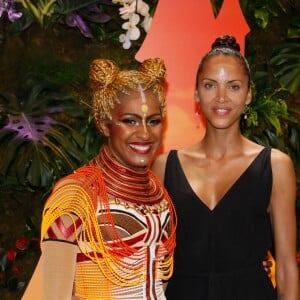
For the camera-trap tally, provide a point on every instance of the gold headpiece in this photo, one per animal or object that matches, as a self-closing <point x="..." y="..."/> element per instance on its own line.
<point x="107" y="81"/>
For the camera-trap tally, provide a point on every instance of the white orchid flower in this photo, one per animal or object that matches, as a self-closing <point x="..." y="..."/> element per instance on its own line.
<point x="127" y="10"/>
<point x="147" y="23"/>
<point x="132" y="30"/>
<point x="142" y="8"/>
<point x="132" y="11"/>
<point x="125" y="40"/>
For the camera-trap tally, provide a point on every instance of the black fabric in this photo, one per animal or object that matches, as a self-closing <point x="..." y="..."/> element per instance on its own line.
<point x="219" y="252"/>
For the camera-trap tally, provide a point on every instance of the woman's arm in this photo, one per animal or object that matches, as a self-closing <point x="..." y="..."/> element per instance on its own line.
<point x="283" y="215"/>
<point x="58" y="261"/>
<point x="59" y="254"/>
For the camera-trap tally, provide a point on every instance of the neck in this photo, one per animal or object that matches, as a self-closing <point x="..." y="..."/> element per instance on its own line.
<point x="125" y="183"/>
<point x="222" y="142"/>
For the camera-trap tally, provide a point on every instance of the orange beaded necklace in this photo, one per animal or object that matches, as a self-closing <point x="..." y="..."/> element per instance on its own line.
<point x="127" y="184"/>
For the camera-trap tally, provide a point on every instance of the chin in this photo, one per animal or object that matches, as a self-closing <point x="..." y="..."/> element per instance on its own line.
<point x="140" y="165"/>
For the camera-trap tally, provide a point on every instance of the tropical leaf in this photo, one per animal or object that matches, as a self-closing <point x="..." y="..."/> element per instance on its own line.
<point x="10" y="147"/>
<point x="268" y="115"/>
<point x="67" y="7"/>
<point x="286" y="63"/>
<point x="21" y="24"/>
<point x="294" y="139"/>
<point x="273" y="138"/>
<point x="262" y="17"/>
<point x="38" y="147"/>
<point x="57" y="11"/>
<point x="261" y="12"/>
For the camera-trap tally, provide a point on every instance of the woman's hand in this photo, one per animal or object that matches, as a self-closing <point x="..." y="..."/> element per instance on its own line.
<point x="268" y="263"/>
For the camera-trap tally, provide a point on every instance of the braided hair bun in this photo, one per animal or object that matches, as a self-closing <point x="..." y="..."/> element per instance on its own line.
<point x="226" y="41"/>
<point x="154" y="68"/>
<point x="108" y="82"/>
<point x="102" y="73"/>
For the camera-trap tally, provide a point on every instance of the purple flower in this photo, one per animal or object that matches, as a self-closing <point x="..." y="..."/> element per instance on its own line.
<point x="91" y="13"/>
<point x="7" y="6"/>
<point x="75" y="20"/>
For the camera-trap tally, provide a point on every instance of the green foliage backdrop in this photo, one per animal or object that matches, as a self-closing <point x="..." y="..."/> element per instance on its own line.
<point x="46" y="128"/>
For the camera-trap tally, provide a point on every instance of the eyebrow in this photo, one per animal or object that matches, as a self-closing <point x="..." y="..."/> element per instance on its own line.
<point x="139" y="116"/>
<point x="230" y="81"/>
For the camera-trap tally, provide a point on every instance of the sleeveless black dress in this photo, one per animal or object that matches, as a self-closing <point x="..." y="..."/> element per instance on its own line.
<point x="219" y="252"/>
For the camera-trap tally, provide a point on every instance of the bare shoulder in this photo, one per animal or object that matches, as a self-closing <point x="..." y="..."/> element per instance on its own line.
<point x="283" y="197"/>
<point x="280" y="159"/>
<point x="159" y="165"/>
<point x="283" y="169"/>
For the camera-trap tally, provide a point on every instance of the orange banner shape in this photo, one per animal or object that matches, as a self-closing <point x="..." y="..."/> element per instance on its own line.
<point x="181" y="32"/>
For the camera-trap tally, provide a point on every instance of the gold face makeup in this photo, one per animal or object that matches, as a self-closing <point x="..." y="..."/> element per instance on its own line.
<point x="126" y="135"/>
<point x="144" y="108"/>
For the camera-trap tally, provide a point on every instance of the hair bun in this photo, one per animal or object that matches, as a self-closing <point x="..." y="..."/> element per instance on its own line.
<point x="226" y="41"/>
<point x="109" y="83"/>
<point x="154" y="68"/>
<point x="102" y="73"/>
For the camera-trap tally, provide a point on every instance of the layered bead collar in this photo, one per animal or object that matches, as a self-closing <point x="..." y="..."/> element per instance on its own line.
<point x="137" y="186"/>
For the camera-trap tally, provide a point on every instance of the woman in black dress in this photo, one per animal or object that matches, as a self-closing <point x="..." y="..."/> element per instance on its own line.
<point x="233" y="197"/>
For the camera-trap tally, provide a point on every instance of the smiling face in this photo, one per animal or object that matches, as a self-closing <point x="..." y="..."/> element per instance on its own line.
<point x="223" y="90"/>
<point x="135" y="131"/>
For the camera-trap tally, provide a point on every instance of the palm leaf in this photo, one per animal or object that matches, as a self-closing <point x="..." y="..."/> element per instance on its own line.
<point x="38" y="147"/>
<point x="286" y="62"/>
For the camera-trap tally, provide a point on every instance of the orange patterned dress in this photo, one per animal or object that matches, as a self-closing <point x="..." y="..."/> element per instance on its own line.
<point x="123" y="225"/>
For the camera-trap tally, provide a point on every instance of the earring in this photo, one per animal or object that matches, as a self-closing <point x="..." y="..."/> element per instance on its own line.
<point x="246" y="112"/>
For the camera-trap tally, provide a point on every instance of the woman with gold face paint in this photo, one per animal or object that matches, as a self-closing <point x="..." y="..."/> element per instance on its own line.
<point x="108" y="230"/>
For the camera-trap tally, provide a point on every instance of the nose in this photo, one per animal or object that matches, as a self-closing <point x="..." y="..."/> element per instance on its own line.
<point x="221" y="94"/>
<point x="143" y="131"/>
